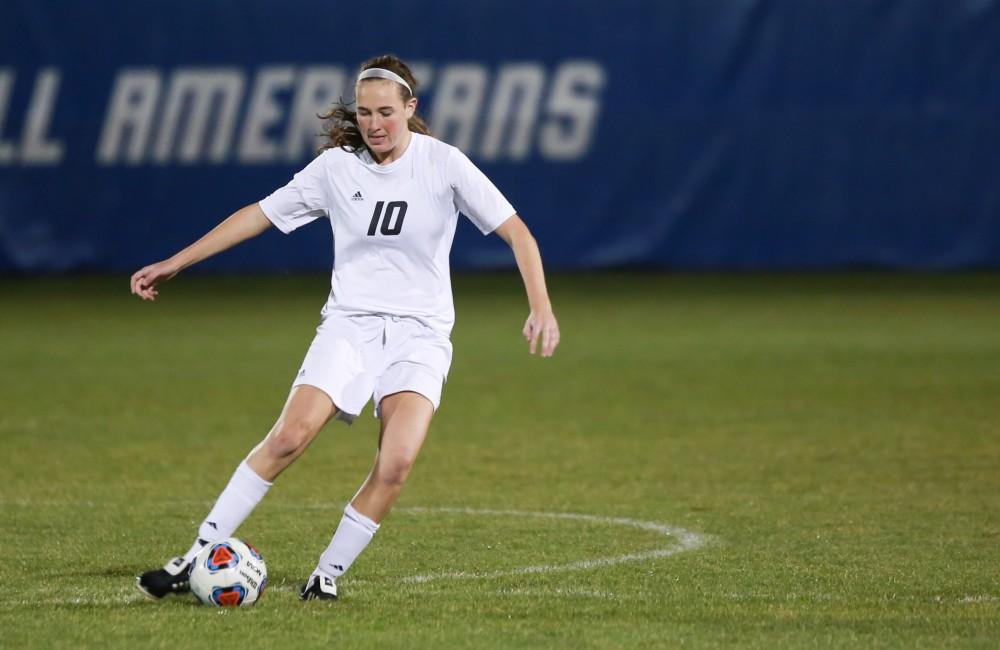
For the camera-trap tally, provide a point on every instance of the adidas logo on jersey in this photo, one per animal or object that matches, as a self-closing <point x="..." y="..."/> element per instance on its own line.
<point x="357" y="196"/>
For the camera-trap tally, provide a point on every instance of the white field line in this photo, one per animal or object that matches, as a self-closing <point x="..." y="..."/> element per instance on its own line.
<point x="981" y="598"/>
<point x="561" y="592"/>
<point x="79" y="596"/>
<point x="685" y="540"/>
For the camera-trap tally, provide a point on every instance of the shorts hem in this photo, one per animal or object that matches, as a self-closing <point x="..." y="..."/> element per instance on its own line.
<point x="424" y="385"/>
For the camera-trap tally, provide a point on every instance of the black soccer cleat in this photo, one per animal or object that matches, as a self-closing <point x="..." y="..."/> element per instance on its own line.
<point x="173" y="578"/>
<point x="318" y="588"/>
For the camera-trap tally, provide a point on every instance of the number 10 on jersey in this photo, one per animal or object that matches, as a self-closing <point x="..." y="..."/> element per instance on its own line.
<point x="396" y="210"/>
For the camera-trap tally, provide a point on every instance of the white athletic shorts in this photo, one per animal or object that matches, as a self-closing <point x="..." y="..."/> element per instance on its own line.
<point x="356" y="356"/>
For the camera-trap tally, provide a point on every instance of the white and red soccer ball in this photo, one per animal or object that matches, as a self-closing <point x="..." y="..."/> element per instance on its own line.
<point x="228" y="573"/>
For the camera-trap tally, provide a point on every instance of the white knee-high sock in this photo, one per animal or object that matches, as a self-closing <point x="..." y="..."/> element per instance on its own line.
<point x="237" y="501"/>
<point x="352" y="536"/>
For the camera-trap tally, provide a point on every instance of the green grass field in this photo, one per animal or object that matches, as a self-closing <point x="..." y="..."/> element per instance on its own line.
<point x="832" y="443"/>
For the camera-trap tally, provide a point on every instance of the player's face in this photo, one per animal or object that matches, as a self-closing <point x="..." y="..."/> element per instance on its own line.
<point x="383" y="117"/>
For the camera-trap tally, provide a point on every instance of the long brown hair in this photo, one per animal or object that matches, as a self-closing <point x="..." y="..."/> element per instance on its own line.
<point x="341" y="123"/>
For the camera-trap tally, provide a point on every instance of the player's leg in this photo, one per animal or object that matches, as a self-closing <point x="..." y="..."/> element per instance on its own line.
<point x="305" y="412"/>
<point x="405" y="419"/>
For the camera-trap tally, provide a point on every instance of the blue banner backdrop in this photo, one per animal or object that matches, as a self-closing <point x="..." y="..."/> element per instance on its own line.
<point x="659" y="133"/>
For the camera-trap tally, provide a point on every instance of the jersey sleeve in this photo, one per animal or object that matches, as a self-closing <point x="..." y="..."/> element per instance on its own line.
<point x="301" y="201"/>
<point x="475" y="195"/>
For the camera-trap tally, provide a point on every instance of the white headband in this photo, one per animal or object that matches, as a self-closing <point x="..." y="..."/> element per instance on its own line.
<point x="382" y="73"/>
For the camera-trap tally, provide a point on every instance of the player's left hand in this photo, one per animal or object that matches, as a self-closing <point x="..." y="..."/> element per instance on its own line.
<point x="542" y="326"/>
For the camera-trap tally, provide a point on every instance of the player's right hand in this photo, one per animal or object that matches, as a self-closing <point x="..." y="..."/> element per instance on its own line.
<point x="144" y="280"/>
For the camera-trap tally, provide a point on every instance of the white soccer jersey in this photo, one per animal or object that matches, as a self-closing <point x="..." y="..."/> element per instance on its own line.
<point x="392" y="224"/>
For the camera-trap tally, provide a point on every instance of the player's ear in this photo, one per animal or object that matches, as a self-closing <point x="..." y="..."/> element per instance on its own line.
<point x="411" y="107"/>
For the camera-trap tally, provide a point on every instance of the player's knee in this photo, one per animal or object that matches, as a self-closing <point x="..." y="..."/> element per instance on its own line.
<point x="394" y="472"/>
<point x="290" y="437"/>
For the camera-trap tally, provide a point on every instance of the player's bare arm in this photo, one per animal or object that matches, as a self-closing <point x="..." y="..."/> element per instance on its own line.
<point x="245" y="223"/>
<point x="541" y="324"/>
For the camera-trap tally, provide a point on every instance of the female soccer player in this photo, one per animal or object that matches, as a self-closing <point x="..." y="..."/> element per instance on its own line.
<point x="392" y="194"/>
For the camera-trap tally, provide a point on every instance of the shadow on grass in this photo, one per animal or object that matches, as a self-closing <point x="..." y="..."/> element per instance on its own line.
<point x="130" y="572"/>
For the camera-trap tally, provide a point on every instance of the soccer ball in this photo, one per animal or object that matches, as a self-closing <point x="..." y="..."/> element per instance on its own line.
<point x="228" y="573"/>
